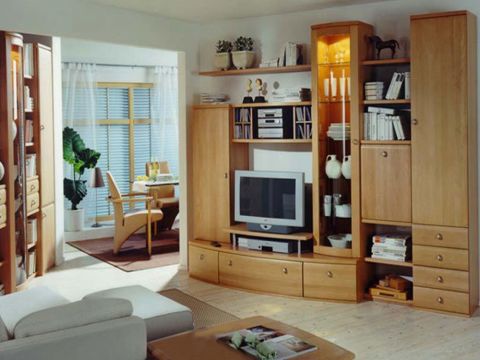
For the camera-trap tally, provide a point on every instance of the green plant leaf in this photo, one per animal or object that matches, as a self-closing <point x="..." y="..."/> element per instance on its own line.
<point x="72" y="145"/>
<point x="89" y="159"/>
<point x="74" y="191"/>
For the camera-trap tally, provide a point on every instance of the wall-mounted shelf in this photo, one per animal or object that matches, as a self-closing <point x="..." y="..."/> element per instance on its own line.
<point x="386" y="102"/>
<point x="383" y="222"/>
<point x="272" y="141"/>
<point x="383" y="62"/>
<point x="241" y="229"/>
<point x="252" y="71"/>
<point x="275" y="104"/>
<point x="388" y="262"/>
<point x="385" y="142"/>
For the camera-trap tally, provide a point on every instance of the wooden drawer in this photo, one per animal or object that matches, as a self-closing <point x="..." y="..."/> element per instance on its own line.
<point x="330" y="281"/>
<point x="443" y="300"/>
<point x="33" y="202"/>
<point x="3" y="214"/>
<point x="456" y="259"/>
<point x="33" y="186"/>
<point x="267" y="275"/>
<point x="440" y="236"/>
<point x="440" y="278"/>
<point x="3" y="196"/>
<point x="203" y="263"/>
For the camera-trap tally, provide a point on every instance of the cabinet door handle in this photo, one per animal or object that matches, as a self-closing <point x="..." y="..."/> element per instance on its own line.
<point x="414" y="121"/>
<point x="439" y="279"/>
<point x="440" y="300"/>
<point x="384" y="154"/>
<point x="202" y="256"/>
<point x="225" y="175"/>
<point x="439" y="257"/>
<point x="42" y="127"/>
<point x="329" y="274"/>
<point x="44" y="215"/>
<point x="439" y="236"/>
<point x="355" y="142"/>
<point x="230" y="263"/>
<point x="285" y="270"/>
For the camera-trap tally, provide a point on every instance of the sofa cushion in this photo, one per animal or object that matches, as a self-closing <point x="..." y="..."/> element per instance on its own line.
<point x="80" y="313"/>
<point x="16" y="306"/>
<point x="3" y="331"/>
<point x="163" y="317"/>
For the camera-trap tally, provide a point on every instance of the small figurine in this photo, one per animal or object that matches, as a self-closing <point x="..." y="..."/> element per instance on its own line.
<point x="260" y="87"/>
<point x="379" y="44"/>
<point x="249" y="88"/>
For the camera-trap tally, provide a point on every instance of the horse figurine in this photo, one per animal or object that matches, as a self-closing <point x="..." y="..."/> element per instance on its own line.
<point x="379" y="44"/>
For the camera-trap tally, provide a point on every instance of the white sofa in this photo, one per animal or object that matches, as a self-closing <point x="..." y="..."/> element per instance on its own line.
<point x="40" y="324"/>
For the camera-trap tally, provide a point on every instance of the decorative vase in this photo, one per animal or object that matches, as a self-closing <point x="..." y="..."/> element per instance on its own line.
<point x="243" y="59"/>
<point x="2" y="171"/>
<point x="333" y="167"/>
<point x="74" y="220"/>
<point x="347" y="167"/>
<point x="14" y="130"/>
<point x="223" y="61"/>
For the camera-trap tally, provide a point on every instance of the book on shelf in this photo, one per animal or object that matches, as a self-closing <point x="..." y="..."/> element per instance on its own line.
<point x="299" y="113"/>
<point x="308" y="116"/>
<point x="394" y="240"/>
<point x="242" y="115"/>
<point x="395" y="87"/>
<point x="374" y="90"/>
<point x="382" y="124"/>
<point x="391" y="247"/>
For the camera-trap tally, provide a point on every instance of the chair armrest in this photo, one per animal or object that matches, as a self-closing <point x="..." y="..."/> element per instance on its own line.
<point x="147" y="198"/>
<point x="135" y="194"/>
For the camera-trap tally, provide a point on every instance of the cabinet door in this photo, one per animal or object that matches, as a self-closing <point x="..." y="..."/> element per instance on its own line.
<point x="47" y="172"/>
<point x="439" y="129"/>
<point x="203" y="264"/>
<point x="48" y="238"/>
<point x="386" y="182"/>
<point x="330" y="281"/>
<point x="210" y="173"/>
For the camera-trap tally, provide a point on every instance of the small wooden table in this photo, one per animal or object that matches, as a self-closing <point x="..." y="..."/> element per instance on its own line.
<point x="202" y="344"/>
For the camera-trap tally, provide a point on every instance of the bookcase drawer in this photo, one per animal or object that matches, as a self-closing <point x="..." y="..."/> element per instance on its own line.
<point x="454" y="280"/>
<point x="203" y="264"/>
<point x="3" y="214"/>
<point x="3" y="196"/>
<point x="442" y="300"/>
<point x="33" y="202"/>
<point x="456" y="259"/>
<point x="268" y="275"/>
<point x="33" y="186"/>
<point x="330" y="281"/>
<point x="443" y="236"/>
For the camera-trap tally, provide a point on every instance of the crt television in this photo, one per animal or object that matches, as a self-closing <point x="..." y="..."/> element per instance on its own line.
<point x="270" y="201"/>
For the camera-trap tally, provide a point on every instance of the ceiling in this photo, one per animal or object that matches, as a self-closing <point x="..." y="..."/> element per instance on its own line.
<point x="213" y="10"/>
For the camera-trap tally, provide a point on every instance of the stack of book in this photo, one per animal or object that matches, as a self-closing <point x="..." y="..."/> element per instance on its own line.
<point x="337" y="130"/>
<point x="242" y="115"/>
<point x="213" y="98"/>
<point x="384" y="124"/>
<point x="374" y="90"/>
<point x="390" y="247"/>
<point x="398" y="79"/>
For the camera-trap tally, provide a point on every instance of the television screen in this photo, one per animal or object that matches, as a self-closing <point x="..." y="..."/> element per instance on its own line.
<point x="267" y="197"/>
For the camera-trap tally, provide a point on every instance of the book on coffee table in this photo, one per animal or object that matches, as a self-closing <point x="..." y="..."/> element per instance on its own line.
<point x="264" y="343"/>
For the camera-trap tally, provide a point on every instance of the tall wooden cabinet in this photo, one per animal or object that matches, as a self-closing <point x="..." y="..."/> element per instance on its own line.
<point x="444" y="161"/>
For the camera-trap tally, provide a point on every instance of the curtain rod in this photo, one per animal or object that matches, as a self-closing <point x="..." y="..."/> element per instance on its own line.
<point x="119" y="65"/>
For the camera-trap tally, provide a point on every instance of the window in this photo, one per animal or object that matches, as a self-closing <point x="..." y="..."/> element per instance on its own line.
<point x="126" y="139"/>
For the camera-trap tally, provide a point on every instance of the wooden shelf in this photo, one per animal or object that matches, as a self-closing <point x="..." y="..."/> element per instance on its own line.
<point x="29" y="144"/>
<point x="274" y="104"/>
<point x="252" y="71"/>
<point x="241" y="229"/>
<point x="387" y="300"/>
<point x="388" y="262"/>
<point x="333" y="251"/>
<point x="342" y="64"/>
<point x="272" y="141"/>
<point x="386" y="102"/>
<point x="383" y="62"/>
<point x="383" y="222"/>
<point x="33" y="212"/>
<point x="31" y="246"/>
<point x="385" y="142"/>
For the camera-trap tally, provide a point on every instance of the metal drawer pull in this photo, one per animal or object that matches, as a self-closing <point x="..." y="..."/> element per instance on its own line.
<point x="225" y="176"/>
<point x="42" y="127"/>
<point x="285" y="270"/>
<point x="414" y="121"/>
<point x="355" y="142"/>
<point x="329" y="274"/>
<point x="439" y="279"/>
<point x="230" y="262"/>
<point x="202" y="256"/>
<point x="439" y="236"/>
<point x="439" y="257"/>
<point x="440" y="300"/>
<point x="384" y="154"/>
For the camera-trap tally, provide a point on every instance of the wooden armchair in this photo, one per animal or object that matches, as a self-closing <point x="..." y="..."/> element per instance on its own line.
<point x="164" y="195"/>
<point x="128" y="223"/>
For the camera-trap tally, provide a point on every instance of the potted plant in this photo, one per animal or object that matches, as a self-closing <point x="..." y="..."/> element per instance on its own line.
<point x="243" y="54"/>
<point x="76" y="154"/>
<point x="223" y="57"/>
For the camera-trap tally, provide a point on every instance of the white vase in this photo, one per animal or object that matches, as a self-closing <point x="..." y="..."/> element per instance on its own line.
<point x="2" y="171"/>
<point x="223" y="61"/>
<point x="74" y="219"/>
<point x="14" y="130"/>
<point x="243" y="59"/>
<point x="333" y="168"/>
<point x="347" y="167"/>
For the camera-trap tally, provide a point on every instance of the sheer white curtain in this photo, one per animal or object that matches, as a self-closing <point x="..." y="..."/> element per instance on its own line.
<point x="165" y="116"/>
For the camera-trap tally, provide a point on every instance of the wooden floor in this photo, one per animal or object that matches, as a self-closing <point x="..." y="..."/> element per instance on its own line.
<point x="370" y="330"/>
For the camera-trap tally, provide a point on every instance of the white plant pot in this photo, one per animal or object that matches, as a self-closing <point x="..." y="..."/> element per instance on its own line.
<point x="243" y="59"/>
<point x="223" y="61"/>
<point x="74" y="219"/>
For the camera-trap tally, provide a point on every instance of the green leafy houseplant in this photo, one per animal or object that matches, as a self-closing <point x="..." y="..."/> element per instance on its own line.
<point x="243" y="44"/>
<point x="76" y="154"/>
<point x="223" y="46"/>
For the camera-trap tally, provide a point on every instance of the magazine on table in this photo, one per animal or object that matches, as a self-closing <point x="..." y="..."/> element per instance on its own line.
<point x="281" y="346"/>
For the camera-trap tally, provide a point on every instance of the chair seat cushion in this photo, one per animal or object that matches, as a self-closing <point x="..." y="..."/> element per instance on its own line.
<point x="157" y="214"/>
<point x="167" y="202"/>
<point x="163" y="317"/>
<point x="16" y="306"/>
<point x="76" y="314"/>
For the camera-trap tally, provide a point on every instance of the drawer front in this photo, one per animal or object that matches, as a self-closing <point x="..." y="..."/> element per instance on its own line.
<point x="3" y="196"/>
<point x="274" y="276"/>
<point x="3" y="214"/>
<point x="440" y="236"/>
<point x="444" y="258"/>
<point x="33" y="186"/>
<point x="441" y="278"/>
<point x="443" y="300"/>
<point x="330" y="281"/>
<point x="33" y="202"/>
<point x="203" y="264"/>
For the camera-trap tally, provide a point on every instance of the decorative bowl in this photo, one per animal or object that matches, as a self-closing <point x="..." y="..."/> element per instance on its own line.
<point x="341" y="241"/>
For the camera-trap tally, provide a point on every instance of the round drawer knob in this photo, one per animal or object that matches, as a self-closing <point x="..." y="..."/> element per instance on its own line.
<point x="439" y="257"/>
<point x="225" y="175"/>
<point x="285" y="270"/>
<point x="439" y="279"/>
<point x="202" y="256"/>
<point x="355" y="142"/>
<point x="439" y="236"/>
<point x="329" y="274"/>
<point x="414" y="121"/>
<point x="384" y="154"/>
<point x="230" y="262"/>
<point x="440" y="300"/>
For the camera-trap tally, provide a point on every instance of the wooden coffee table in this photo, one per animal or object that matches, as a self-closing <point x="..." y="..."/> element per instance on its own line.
<point x="202" y="344"/>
